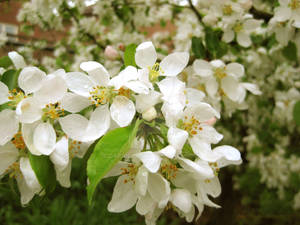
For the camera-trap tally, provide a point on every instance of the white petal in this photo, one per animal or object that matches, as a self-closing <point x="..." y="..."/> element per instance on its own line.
<point x="230" y="86"/>
<point x="27" y="133"/>
<point x="26" y="193"/>
<point x="203" y="198"/>
<point x="209" y="134"/>
<point x="177" y="137"/>
<point x="235" y="69"/>
<point x="251" y="24"/>
<point x="168" y="151"/>
<point x="211" y="86"/>
<point x="29" y="175"/>
<point x="159" y="189"/>
<point x="130" y="73"/>
<point x="243" y="39"/>
<point x="137" y="87"/>
<point x="194" y="96"/>
<point x="99" y="123"/>
<point x="173" y="91"/>
<point x="182" y="199"/>
<point x="227" y="155"/>
<point x="145" y="55"/>
<point x="217" y="63"/>
<point x="150" y="160"/>
<point x="29" y="110"/>
<point x="8" y="155"/>
<point x="60" y="155"/>
<point x="124" y="196"/>
<point x="144" y="204"/>
<point x="212" y="187"/>
<point x="201" y="111"/>
<point x="96" y="71"/>
<point x="202" y="149"/>
<point x="30" y="79"/>
<point x="17" y="59"/>
<point x="79" y="83"/>
<point x="122" y="111"/>
<point x="74" y="126"/>
<point x="3" y="93"/>
<point x="146" y="101"/>
<point x="52" y="90"/>
<point x="282" y="13"/>
<point x="44" y="138"/>
<point x="9" y="125"/>
<point x="63" y="176"/>
<point x="252" y="88"/>
<point x="74" y="103"/>
<point x="228" y="35"/>
<point x="184" y="179"/>
<point x="174" y="63"/>
<point x="199" y="170"/>
<point x="141" y="181"/>
<point x="202" y="68"/>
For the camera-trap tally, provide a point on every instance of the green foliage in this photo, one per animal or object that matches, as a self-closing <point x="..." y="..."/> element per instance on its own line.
<point x="213" y="42"/>
<point x="129" y="55"/>
<point x="290" y="51"/>
<point x="108" y="151"/>
<point x="10" y="78"/>
<point x="198" y="48"/>
<point x="5" y="62"/>
<point x="296" y="113"/>
<point x="44" y="171"/>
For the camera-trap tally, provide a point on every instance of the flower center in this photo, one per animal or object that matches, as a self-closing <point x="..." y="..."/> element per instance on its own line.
<point x="220" y="73"/>
<point x="294" y="4"/>
<point x="18" y="141"/>
<point x="191" y="125"/>
<point x="131" y="171"/>
<point x="168" y="170"/>
<point x="154" y="72"/>
<point x="101" y="95"/>
<point x="74" y="148"/>
<point x="215" y="168"/>
<point x="13" y="170"/>
<point x="227" y="10"/>
<point x="16" y="97"/>
<point x="238" y="27"/>
<point x="53" y="111"/>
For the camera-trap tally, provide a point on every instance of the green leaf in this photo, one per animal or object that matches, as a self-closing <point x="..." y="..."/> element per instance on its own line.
<point x="44" y="171"/>
<point x="198" y="47"/>
<point x="10" y="78"/>
<point x="213" y="42"/>
<point x="296" y="113"/>
<point x="108" y="151"/>
<point x="129" y="55"/>
<point x="290" y="51"/>
<point x="5" y="62"/>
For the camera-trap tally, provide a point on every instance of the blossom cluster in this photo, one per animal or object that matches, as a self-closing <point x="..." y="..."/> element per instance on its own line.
<point x="171" y="162"/>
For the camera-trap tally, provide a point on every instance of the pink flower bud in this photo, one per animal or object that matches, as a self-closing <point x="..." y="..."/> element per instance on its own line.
<point x="111" y="53"/>
<point x="211" y="121"/>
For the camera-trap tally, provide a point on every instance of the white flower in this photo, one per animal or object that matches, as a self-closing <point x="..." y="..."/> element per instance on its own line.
<point x="242" y="29"/>
<point x="223" y="80"/>
<point x="171" y="65"/>
<point x="98" y="89"/>
<point x="288" y="10"/>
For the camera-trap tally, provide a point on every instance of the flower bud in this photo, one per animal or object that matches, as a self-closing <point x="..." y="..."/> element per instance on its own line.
<point x="111" y="53"/>
<point x="149" y="114"/>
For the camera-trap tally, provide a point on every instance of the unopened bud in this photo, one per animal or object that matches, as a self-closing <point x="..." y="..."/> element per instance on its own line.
<point x="149" y="114"/>
<point x="121" y="47"/>
<point x="111" y="53"/>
